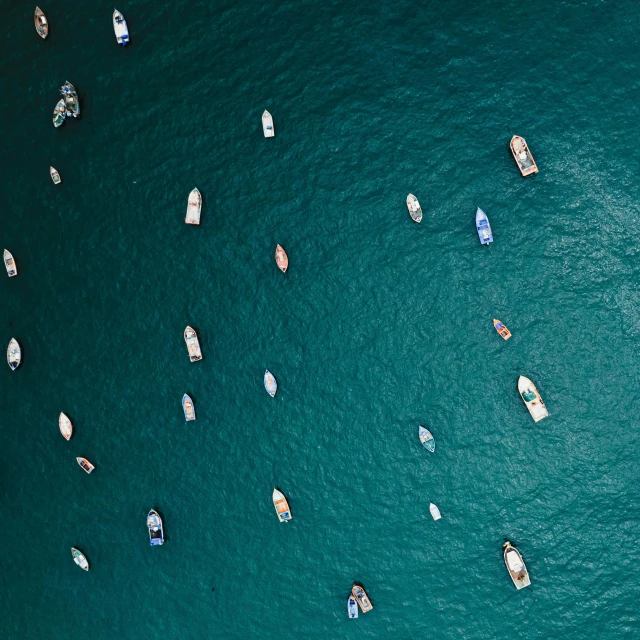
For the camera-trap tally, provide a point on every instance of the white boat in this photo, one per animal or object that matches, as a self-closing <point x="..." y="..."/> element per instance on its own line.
<point x="352" y="607"/>
<point x="85" y="465"/>
<point x="188" y="408"/>
<point x="66" y="428"/>
<point x="194" y="207"/>
<point x="515" y="566"/>
<point x="40" y="22"/>
<point x="10" y="264"/>
<point x="435" y="512"/>
<point x="531" y="397"/>
<point x="267" y="125"/>
<point x="361" y="597"/>
<point x="59" y="113"/>
<point x="14" y="354"/>
<point x="414" y="208"/>
<point x="426" y="438"/>
<point x="55" y="176"/>
<point x="282" y="260"/>
<point x="193" y="345"/>
<point x="120" y="28"/>
<point x="156" y="530"/>
<point x="270" y="383"/>
<point x="80" y="559"/>
<point x="281" y="505"/>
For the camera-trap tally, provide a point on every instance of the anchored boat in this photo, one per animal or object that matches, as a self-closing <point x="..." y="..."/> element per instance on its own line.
<point x="414" y="208"/>
<point x="40" y="21"/>
<point x="522" y="156"/>
<point x="362" y="598"/>
<point x="194" y="207"/>
<point x="352" y="607"/>
<point x="483" y="227"/>
<point x="71" y="101"/>
<point x="281" y="505"/>
<point x="281" y="259"/>
<point x="515" y="566"/>
<point x="270" y="383"/>
<point x="434" y="511"/>
<point x="14" y="354"/>
<point x="66" y="428"/>
<point x="10" y="264"/>
<point x="55" y="176"/>
<point x="501" y="329"/>
<point x="80" y="559"/>
<point x="193" y="345"/>
<point x="188" y="408"/>
<point x="156" y="532"/>
<point x="427" y="439"/>
<point x="85" y="464"/>
<point x="532" y="399"/>
<point x="120" y="28"/>
<point x="267" y="125"/>
<point x="59" y="114"/>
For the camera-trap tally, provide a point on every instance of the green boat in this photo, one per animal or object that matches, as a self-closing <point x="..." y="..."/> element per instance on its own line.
<point x="427" y="439"/>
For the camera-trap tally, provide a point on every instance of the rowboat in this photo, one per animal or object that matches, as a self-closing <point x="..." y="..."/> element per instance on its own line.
<point x="352" y="607"/>
<point x="501" y="329"/>
<point x="435" y="512"/>
<point x="361" y="598"/>
<point x="281" y="505"/>
<point x="14" y="354"/>
<point x="10" y="264"/>
<point x="270" y="383"/>
<point x="40" y="21"/>
<point x="267" y="125"/>
<point x="427" y="439"/>
<point x="483" y="227"/>
<point x="59" y="114"/>
<point x="188" y="408"/>
<point x="532" y="399"/>
<point x="194" y="207"/>
<point x="85" y="464"/>
<point x="66" y="428"/>
<point x="156" y="532"/>
<point x="120" y="28"/>
<point x="193" y="346"/>
<point x="55" y="176"/>
<point x="522" y="156"/>
<point x="80" y="559"/>
<point x="515" y="566"/>
<point x="414" y="208"/>
<point x="281" y="259"/>
<point x="71" y="101"/>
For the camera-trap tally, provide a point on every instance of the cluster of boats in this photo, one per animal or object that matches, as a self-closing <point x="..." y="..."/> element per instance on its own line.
<point x="67" y="107"/>
<point x="119" y="26"/>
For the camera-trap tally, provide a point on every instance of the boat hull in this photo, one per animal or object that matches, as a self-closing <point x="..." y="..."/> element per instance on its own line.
<point x="66" y="428"/>
<point x="10" y="264"/>
<point x="41" y="24"/>
<point x="281" y="506"/>
<point x="435" y="512"/>
<point x="427" y="440"/>
<point x="501" y="329"/>
<point x="483" y="227"/>
<point x="55" y="176"/>
<point x="415" y="211"/>
<point x="85" y="465"/>
<point x="532" y="399"/>
<point x="361" y="598"/>
<point x="267" y="125"/>
<point x="282" y="260"/>
<point x="188" y="408"/>
<point x="14" y="354"/>
<point x="270" y="383"/>
<point x="352" y="607"/>
<point x="194" y="208"/>
<point x="523" y="157"/>
<point x="515" y="566"/>
<point x="79" y="558"/>
<point x="156" y="529"/>
<point x="193" y="344"/>
<point x="120" y="28"/>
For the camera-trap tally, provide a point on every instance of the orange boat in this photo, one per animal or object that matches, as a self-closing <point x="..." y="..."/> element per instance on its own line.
<point x="281" y="259"/>
<point x="501" y="329"/>
<point x="522" y="156"/>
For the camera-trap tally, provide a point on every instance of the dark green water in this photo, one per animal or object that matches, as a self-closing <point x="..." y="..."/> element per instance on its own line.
<point x="379" y="324"/>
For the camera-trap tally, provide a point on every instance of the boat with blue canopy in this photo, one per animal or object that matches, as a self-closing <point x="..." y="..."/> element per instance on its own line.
<point x="120" y="28"/>
<point x="71" y="101"/>
<point x="483" y="227"/>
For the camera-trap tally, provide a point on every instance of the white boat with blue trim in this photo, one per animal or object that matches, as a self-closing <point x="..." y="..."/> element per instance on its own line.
<point x="428" y="441"/>
<point x="120" y="28"/>
<point x="156" y="530"/>
<point x="352" y="607"/>
<point x="188" y="408"/>
<point x="483" y="227"/>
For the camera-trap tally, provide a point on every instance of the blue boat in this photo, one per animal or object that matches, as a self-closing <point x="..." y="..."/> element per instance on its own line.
<point x="483" y="227"/>
<point x="156" y="532"/>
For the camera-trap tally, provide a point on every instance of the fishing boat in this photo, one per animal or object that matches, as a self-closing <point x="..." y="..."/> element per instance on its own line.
<point x="120" y="28"/>
<point x="10" y="264"/>
<point x="156" y="532"/>
<point x="55" y="176"/>
<point x="426" y="438"/>
<point x="361" y="598"/>
<point x="194" y="207"/>
<point x="501" y="329"/>
<point x="267" y="125"/>
<point x="483" y="227"/>
<point x="434" y="511"/>
<point x="59" y="114"/>
<point x="14" y="354"/>
<point x="193" y="345"/>
<point x="80" y="559"/>
<point x="281" y="505"/>
<point x="66" y="428"/>
<point x="40" y="21"/>
<point x="270" y="383"/>
<point x="85" y="464"/>
<point x="281" y="259"/>
<point x="352" y="607"/>
<point x="532" y="399"/>
<point x="414" y="208"/>
<point x="515" y="566"/>
<point x="71" y="101"/>
<point x="522" y="156"/>
<point x="188" y="408"/>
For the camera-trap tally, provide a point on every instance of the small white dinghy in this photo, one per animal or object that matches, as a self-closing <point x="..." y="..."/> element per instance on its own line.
<point x="80" y="559"/>
<point x="14" y="354"/>
<point x="55" y="176"/>
<point x="188" y="408"/>
<point x="120" y="28"/>
<point x="10" y="264"/>
<point x="435" y="512"/>
<point x="66" y="428"/>
<point x="194" y="207"/>
<point x="415" y="210"/>
<point x="281" y="505"/>
<point x="515" y="566"/>
<point x="270" y="383"/>
<point x="352" y="607"/>
<point x="267" y="125"/>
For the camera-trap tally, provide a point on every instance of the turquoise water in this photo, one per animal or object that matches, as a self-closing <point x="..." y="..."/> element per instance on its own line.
<point x="378" y="326"/>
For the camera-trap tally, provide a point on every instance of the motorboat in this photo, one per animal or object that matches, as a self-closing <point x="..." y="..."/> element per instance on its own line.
<point x="10" y="264"/>
<point x="120" y="28"/>
<point x="194" y="207"/>
<point x="281" y="505"/>
<point x="414" y="208"/>
<point x="188" y="408"/>
<point x="156" y="531"/>
<point x="515" y="566"/>
<point x="483" y="227"/>
<point x="270" y="383"/>
<point x="71" y="101"/>
<point x="14" y="354"/>
<point x="55" y="176"/>
<point x="80" y="559"/>
<point x="59" y="114"/>
<point x="352" y="607"/>
<point x="428" y="441"/>
<point x="434" y="511"/>
<point x="282" y="259"/>
<point x="41" y="24"/>
<point x="531" y="398"/>
<point x="522" y="156"/>
<point x="66" y="428"/>
<point x="85" y="464"/>
<point x="193" y="345"/>
<point x="267" y="125"/>
<point x="501" y="329"/>
<point x="361" y="597"/>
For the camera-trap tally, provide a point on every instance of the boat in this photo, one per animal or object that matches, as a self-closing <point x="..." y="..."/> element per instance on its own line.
<point x="435" y="512"/>
<point x="194" y="207"/>
<point x="120" y="28"/>
<point x="515" y="566"/>
<point x="14" y="354"/>
<point x="414" y="208"/>
<point x="85" y="464"/>
<point x="270" y="383"/>
<point x="188" y="408"/>
<point x="193" y="346"/>
<point x="156" y="532"/>
<point x="10" y="264"/>
<point x="501" y="329"/>
<point x="483" y="227"/>
<point x="59" y="114"/>
<point x="40" y="21"/>
<point x="531" y="398"/>
<point x="80" y="559"/>
<point x="71" y="101"/>
<point x="352" y="607"/>
<point x="55" y="176"/>
<point x="66" y="428"/>
<point x="267" y="125"/>
<point x="426" y="438"/>
<point x="281" y="259"/>
<point x="522" y="156"/>
<point x="281" y="505"/>
<point x="361" y="598"/>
